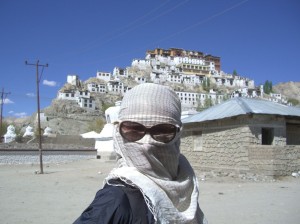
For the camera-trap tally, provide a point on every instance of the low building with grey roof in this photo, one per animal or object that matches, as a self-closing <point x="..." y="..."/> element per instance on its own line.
<point x="244" y="135"/>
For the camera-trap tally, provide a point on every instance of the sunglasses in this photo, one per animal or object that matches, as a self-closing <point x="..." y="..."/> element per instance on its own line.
<point x="133" y="131"/>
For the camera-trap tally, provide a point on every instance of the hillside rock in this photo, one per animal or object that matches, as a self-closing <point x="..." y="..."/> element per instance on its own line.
<point x="291" y="90"/>
<point x="65" y="117"/>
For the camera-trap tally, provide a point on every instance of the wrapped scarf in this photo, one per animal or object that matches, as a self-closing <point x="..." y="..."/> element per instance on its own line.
<point x="163" y="175"/>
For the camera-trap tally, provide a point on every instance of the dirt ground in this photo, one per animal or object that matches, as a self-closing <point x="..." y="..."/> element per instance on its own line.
<point x="65" y="190"/>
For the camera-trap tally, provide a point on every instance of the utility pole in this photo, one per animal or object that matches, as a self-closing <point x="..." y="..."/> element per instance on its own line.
<point x="3" y="97"/>
<point x="37" y="65"/>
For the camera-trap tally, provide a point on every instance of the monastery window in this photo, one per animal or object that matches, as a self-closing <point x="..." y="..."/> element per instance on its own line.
<point x="85" y="105"/>
<point x="67" y="94"/>
<point x="72" y="94"/>
<point x="267" y="136"/>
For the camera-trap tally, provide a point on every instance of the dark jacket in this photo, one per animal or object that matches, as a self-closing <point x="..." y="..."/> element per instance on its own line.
<point x="116" y="204"/>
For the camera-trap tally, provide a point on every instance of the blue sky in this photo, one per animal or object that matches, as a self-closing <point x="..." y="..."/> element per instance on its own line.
<point x="260" y="39"/>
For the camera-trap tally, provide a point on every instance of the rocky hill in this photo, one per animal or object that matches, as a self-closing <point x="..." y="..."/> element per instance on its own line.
<point x="67" y="118"/>
<point x="291" y="90"/>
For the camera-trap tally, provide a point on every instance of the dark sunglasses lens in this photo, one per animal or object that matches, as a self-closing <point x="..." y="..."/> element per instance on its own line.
<point x="163" y="132"/>
<point x="132" y="131"/>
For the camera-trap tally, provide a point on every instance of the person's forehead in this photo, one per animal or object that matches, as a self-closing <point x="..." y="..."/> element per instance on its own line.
<point x="152" y="121"/>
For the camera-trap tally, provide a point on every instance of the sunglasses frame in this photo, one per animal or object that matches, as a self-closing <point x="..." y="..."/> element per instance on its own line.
<point x="147" y="130"/>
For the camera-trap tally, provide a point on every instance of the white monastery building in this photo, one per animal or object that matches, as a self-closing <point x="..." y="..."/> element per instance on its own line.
<point x="177" y="66"/>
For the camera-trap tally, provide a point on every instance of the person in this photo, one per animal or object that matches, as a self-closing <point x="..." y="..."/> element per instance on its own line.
<point x="153" y="181"/>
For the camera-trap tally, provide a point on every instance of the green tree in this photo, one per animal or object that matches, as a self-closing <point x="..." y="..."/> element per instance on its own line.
<point x="208" y="103"/>
<point x="235" y="73"/>
<point x="106" y="106"/>
<point x="268" y="87"/>
<point x="3" y="129"/>
<point x="206" y="84"/>
<point x="19" y="134"/>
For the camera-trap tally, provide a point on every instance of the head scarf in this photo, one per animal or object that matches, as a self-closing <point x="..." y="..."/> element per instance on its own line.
<point x="163" y="175"/>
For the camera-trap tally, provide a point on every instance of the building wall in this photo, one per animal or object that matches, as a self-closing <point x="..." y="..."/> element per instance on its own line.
<point x="274" y="160"/>
<point x="72" y="79"/>
<point x="229" y="144"/>
<point x="106" y="76"/>
<point x="217" y="150"/>
<point x="67" y="96"/>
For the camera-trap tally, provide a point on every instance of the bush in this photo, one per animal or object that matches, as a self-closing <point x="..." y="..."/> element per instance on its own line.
<point x="96" y="125"/>
<point x="293" y="101"/>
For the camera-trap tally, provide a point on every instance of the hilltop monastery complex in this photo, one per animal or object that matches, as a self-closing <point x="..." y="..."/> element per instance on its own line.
<point x="187" y="72"/>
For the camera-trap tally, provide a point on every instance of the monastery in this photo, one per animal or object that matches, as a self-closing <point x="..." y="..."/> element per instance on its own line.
<point x="186" y="71"/>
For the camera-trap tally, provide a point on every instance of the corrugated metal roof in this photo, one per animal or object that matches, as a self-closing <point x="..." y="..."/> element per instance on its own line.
<point x="239" y="106"/>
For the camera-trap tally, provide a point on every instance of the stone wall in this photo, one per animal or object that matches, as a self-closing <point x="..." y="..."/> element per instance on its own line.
<point x="58" y="142"/>
<point x="274" y="160"/>
<point x="235" y="144"/>
<point x="70" y="140"/>
<point x="218" y="150"/>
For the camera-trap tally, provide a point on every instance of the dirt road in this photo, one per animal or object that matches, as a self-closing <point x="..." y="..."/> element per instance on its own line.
<point x="65" y="190"/>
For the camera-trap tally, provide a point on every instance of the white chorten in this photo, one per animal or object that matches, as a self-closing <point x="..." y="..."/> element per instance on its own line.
<point x="10" y="134"/>
<point x="28" y="132"/>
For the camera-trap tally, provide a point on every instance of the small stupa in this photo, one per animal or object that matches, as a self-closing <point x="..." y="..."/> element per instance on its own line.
<point x="10" y="134"/>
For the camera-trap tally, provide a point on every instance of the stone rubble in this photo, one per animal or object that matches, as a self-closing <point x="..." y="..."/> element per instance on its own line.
<point x="296" y="174"/>
<point x="232" y="176"/>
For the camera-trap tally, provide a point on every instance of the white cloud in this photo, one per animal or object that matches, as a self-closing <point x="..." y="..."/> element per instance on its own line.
<point x="21" y="114"/>
<point x="49" y="83"/>
<point x="7" y="101"/>
<point x="30" y="94"/>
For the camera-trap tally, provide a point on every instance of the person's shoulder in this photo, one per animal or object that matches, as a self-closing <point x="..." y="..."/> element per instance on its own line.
<point x="113" y="198"/>
<point x="110" y="205"/>
<point x="108" y="191"/>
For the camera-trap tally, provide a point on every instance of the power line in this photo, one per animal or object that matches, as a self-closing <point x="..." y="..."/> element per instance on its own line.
<point x="124" y="29"/>
<point x="201" y="22"/>
<point x="131" y="28"/>
<point x="117" y="33"/>
<point x="3" y="97"/>
<point x="38" y="78"/>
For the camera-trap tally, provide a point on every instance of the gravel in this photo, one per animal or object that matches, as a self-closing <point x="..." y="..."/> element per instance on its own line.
<point x="35" y="159"/>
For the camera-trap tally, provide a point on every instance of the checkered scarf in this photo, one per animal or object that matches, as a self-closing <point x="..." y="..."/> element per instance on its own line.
<point x="163" y="175"/>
